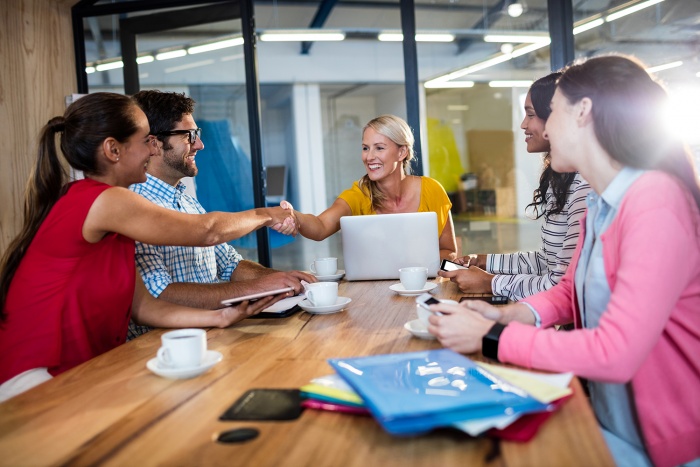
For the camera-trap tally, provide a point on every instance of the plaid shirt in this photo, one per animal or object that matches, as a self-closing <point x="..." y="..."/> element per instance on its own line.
<point x="160" y="266"/>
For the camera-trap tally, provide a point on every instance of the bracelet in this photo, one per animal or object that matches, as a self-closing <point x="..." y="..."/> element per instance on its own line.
<point x="489" y="343"/>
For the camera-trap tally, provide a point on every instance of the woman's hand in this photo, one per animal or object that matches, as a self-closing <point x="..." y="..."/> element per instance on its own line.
<point x="472" y="260"/>
<point x="473" y="280"/>
<point x="461" y="328"/>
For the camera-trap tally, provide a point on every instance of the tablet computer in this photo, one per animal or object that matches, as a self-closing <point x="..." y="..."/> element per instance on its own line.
<point x="255" y="296"/>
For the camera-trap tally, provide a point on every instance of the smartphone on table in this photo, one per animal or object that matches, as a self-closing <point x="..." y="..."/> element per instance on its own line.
<point x="491" y="299"/>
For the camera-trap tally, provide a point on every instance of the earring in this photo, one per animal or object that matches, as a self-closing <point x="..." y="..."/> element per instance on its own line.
<point x="117" y="158"/>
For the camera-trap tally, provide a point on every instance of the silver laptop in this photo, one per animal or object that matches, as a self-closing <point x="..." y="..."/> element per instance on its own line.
<point x="377" y="246"/>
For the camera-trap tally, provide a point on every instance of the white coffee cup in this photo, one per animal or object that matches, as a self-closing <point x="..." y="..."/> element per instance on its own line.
<point x="184" y="348"/>
<point x="413" y="278"/>
<point x="322" y="293"/>
<point x="324" y="266"/>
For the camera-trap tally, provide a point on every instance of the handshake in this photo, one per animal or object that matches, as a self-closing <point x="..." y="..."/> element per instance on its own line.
<point x="284" y="219"/>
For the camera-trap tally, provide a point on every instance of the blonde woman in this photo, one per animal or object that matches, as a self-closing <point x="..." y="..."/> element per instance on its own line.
<point x="386" y="188"/>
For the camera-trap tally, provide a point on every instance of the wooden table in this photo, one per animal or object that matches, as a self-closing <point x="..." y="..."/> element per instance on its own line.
<point x="113" y="411"/>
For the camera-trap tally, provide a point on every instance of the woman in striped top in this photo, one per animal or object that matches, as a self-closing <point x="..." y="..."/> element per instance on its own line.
<point x="560" y="198"/>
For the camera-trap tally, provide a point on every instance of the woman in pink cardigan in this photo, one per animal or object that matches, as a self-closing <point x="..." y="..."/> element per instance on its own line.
<point x="633" y="287"/>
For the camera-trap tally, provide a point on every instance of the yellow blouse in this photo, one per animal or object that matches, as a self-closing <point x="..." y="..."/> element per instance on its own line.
<point x="432" y="198"/>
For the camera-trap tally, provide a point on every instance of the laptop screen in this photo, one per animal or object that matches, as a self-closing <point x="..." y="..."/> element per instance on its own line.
<point x="377" y="246"/>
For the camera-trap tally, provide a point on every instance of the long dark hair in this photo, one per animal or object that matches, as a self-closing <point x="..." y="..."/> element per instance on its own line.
<point x="541" y="93"/>
<point x="627" y="114"/>
<point x="83" y="127"/>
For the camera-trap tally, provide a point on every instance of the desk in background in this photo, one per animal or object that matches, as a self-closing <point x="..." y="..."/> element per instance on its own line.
<point x="113" y="411"/>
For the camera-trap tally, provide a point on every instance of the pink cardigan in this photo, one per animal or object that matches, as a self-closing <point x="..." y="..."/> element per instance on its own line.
<point x="650" y="333"/>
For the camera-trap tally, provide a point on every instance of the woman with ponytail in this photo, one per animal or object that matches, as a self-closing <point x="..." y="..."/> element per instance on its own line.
<point x="67" y="282"/>
<point x="560" y="198"/>
<point x="387" y="187"/>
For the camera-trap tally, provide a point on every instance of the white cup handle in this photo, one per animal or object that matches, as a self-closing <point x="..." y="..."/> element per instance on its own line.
<point x="164" y="356"/>
<point x="310" y="297"/>
<point x="313" y="268"/>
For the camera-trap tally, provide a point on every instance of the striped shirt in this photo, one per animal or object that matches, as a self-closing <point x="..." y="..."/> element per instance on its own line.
<point x="519" y="275"/>
<point x="160" y="266"/>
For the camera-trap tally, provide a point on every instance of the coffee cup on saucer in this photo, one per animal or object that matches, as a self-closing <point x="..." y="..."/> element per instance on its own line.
<point x="322" y="293"/>
<point x="413" y="278"/>
<point x="183" y="348"/>
<point x="324" y="266"/>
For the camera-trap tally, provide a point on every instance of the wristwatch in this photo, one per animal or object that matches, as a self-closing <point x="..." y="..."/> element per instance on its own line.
<point x="489" y="343"/>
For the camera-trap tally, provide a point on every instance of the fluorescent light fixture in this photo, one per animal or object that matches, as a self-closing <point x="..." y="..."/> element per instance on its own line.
<point x="420" y="37"/>
<point x="665" y="66"/>
<point x="390" y="37"/>
<point x="507" y="48"/>
<point x="198" y="49"/>
<point x="109" y="66"/>
<point x="516" y="38"/>
<point x="434" y="37"/>
<point x="302" y="35"/>
<point x="510" y="84"/>
<point x="188" y="66"/>
<point x="632" y="9"/>
<point x="589" y="25"/>
<point x="145" y="59"/>
<point x="171" y="54"/>
<point x="436" y="84"/>
<point x="90" y="69"/>
<point x="458" y="107"/>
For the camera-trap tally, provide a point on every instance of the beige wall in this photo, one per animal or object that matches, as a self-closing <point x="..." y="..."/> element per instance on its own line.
<point x="37" y="71"/>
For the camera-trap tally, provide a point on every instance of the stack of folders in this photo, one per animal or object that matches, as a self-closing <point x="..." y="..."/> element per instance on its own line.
<point x="412" y="393"/>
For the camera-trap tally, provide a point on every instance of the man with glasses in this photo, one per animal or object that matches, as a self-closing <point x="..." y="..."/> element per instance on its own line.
<point x="193" y="276"/>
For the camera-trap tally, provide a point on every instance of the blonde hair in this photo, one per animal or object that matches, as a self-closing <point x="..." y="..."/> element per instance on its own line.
<point x="398" y="131"/>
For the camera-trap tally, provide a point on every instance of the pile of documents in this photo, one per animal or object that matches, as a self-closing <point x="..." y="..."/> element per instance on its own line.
<point x="413" y="393"/>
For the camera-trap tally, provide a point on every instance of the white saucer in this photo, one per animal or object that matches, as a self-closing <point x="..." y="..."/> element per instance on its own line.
<point x="331" y="277"/>
<point x="417" y="328"/>
<point x="399" y="289"/>
<point x="340" y="303"/>
<point x="211" y="358"/>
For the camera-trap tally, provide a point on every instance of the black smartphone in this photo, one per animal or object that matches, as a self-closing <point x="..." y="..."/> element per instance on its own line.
<point x="492" y="299"/>
<point x="448" y="265"/>
<point x="425" y="300"/>
<point x="276" y="314"/>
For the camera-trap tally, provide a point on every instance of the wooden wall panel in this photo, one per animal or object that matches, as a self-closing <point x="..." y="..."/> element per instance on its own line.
<point x="37" y="71"/>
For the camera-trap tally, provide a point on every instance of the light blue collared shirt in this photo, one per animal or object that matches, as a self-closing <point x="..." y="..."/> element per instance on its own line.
<point x="612" y="403"/>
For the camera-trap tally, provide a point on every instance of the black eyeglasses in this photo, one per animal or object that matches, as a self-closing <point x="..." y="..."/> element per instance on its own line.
<point x="193" y="134"/>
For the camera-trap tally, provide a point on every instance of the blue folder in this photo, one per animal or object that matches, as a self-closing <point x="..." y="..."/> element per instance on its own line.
<point x="413" y="393"/>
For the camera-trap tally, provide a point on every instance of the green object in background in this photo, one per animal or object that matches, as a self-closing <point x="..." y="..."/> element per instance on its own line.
<point x="443" y="156"/>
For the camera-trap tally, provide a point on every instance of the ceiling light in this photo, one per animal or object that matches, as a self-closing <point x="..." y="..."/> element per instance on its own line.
<point x="302" y="35"/>
<point x="589" y="25"/>
<point x="520" y="38"/>
<point x="434" y="37"/>
<point x="171" y="54"/>
<point x="458" y="107"/>
<point x="197" y="49"/>
<point x="145" y="59"/>
<point x="420" y="37"/>
<point x="665" y="66"/>
<point x="435" y="84"/>
<point x="90" y="69"/>
<point x="510" y="84"/>
<point x="515" y="9"/>
<point x="507" y="48"/>
<point x="632" y="9"/>
<point x="109" y="66"/>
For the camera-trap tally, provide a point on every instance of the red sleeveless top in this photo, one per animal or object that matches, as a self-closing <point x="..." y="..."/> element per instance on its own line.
<point x="69" y="300"/>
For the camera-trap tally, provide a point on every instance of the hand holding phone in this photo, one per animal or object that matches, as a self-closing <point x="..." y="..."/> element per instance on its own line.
<point x="448" y="265"/>
<point x="425" y="300"/>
